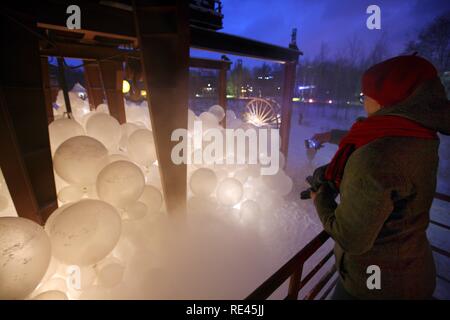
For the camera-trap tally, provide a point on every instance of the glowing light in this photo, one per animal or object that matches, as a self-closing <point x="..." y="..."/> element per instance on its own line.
<point x="330" y="101"/>
<point x="143" y="93"/>
<point x="311" y="100"/>
<point x="295" y="99"/>
<point x="125" y="86"/>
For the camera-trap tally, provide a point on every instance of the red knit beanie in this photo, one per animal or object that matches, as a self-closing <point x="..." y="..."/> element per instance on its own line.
<point x="394" y="80"/>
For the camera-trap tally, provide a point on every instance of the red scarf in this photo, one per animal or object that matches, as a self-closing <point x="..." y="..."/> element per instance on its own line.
<point x="364" y="132"/>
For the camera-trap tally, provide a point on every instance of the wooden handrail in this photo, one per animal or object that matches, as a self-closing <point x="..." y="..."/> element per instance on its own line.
<point x="279" y="277"/>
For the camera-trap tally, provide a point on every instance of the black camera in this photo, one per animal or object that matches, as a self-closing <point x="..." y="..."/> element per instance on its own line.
<point x="315" y="181"/>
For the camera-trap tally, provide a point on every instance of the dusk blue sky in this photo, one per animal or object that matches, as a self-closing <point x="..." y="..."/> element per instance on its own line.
<point x="332" y="22"/>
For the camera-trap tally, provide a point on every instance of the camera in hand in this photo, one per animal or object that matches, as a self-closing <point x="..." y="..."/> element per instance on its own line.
<point x="315" y="181"/>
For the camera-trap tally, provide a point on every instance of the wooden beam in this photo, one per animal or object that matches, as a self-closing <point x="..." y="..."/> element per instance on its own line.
<point x="23" y="100"/>
<point x="286" y="105"/>
<point x="112" y="77"/>
<point x="227" y="43"/>
<point x="88" y="52"/>
<point x="209" y="63"/>
<point x="94" y="86"/>
<point x="166" y="76"/>
<point x="47" y="89"/>
<point x="222" y="92"/>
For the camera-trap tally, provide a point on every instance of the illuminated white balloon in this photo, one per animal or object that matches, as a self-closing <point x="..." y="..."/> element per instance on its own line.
<point x="242" y="175"/>
<point x="79" y="160"/>
<point x="229" y="192"/>
<point x="127" y="130"/>
<point x="25" y="253"/>
<point x="230" y="115"/>
<point x="62" y="129"/>
<point x="135" y="210"/>
<point x="102" y="108"/>
<point x="70" y="194"/>
<point x="51" y="295"/>
<point x="120" y="183"/>
<point x="152" y="198"/>
<point x="84" y="232"/>
<point x="203" y="182"/>
<point x="218" y="112"/>
<point x="141" y="147"/>
<point x="209" y="120"/>
<point x="104" y="128"/>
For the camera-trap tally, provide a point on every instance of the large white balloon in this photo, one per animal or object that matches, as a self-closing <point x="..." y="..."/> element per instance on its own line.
<point x="229" y="192"/>
<point x="141" y="147"/>
<point x="79" y="160"/>
<point x="62" y="129"/>
<point x="209" y="121"/>
<point x="25" y="253"/>
<point x="152" y="198"/>
<point x="104" y="128"/>
<point x="85" y="232"/>
<point x="70" y="194"/>
<point x="203" y="182"/>
<point x="120" y="183"/>
<point x="218" y="112"/>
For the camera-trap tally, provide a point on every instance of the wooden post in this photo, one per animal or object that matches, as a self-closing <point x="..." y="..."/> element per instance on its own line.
<point x="164" y="44"/>
<point x="286" y="105"/>
<point x="112" y="77"/>
<point x="222" y="88"/>
<point x="47" y="89"/>
<point x="94" y="86"/>
<point x="27" y="161"/>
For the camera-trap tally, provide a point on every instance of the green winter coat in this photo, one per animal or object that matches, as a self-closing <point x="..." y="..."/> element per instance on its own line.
<point x="385" y="197"/>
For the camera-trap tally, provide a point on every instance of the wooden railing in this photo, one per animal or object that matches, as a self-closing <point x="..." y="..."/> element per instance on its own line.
<point x="293" y="269"/>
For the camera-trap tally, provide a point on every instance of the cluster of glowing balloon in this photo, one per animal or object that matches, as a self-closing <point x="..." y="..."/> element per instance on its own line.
<point x="104" y="128"/>
<point x="218" y="112"/>
<point x="229" y="192"/>
<point x="62" y="129"/>
<point x="152" y="198"/>
<point x="25" y="253"/>
<point x="203" y="182"/>
<point x="79" y="159"/>
<point x="141" y="147"/>
<point x="84" y="232"/>
<point x="120" y="183"/>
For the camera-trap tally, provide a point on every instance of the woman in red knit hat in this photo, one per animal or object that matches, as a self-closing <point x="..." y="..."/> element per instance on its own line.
<point x="385" y="172"/>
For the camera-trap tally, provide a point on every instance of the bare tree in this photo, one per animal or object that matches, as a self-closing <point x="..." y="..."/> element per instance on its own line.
<point x="433" y="43"/>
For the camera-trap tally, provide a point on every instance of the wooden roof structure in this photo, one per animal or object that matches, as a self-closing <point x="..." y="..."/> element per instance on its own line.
<point x="158" y="33"/>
